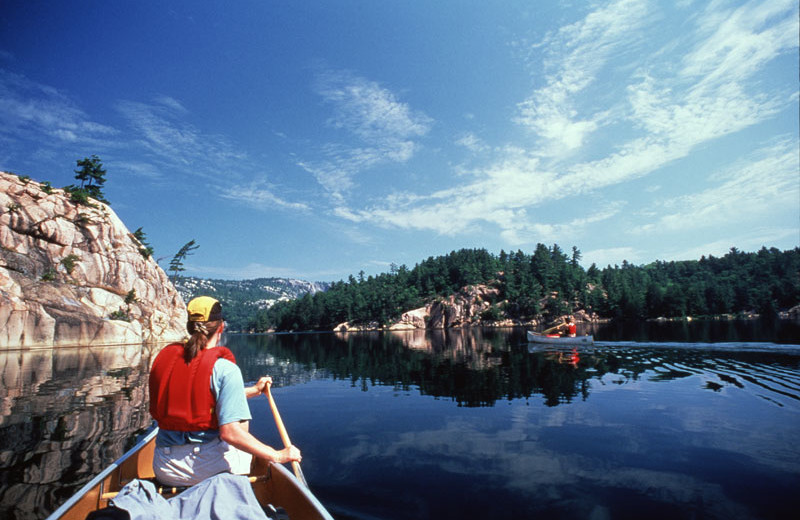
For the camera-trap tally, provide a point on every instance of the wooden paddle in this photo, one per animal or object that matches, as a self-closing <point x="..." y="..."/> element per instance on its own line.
<point x="284" y="435"/>
<point x="551" y="329"/>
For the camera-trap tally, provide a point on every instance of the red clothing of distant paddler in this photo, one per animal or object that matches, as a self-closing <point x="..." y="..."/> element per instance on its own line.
<point x="568" y="328"/>
<point x="572" y="330"/>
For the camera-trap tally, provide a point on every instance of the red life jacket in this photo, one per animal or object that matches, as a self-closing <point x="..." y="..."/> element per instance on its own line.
<point x="180" y="392"/>
<point x="573" y="329"/>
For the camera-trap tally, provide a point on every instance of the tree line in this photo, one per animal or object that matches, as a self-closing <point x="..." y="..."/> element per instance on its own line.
<point x="550" y="282"/>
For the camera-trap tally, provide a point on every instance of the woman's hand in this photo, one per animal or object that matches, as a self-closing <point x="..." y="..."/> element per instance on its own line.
<point x="237" y="435"/>
<point x="290" y="454"/>
<point x="261" y="384"/>
<point x="259" y="388"/>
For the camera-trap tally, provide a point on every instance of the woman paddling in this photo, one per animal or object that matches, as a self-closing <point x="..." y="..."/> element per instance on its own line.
<point x="198" y="398"/>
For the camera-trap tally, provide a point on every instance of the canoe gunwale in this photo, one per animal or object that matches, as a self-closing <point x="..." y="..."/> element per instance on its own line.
<point x="97" y="481"/>
<point x="280" y="468"/>
<point x="535" y="337"/>
<point x="94" y="495"/>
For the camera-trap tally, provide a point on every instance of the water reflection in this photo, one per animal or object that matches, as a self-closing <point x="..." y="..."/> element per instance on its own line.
<point x="66" y="414"/>
<point x="482" y="367"/>
<point x="616" y="431"/>
<point x="565" y="355"/>
<point x="698" y="331"/>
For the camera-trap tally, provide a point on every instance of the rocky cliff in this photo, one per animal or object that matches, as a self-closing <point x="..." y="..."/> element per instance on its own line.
<point x="74" y="275"/>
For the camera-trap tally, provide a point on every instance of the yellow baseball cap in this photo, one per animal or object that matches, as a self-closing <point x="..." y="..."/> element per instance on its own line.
<point x="204" y="308"/>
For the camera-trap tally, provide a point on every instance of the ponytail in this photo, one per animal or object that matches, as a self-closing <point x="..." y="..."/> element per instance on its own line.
<point x="200" y="332"/>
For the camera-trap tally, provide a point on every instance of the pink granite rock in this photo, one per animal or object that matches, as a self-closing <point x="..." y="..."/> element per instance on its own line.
<point x="66" y="270"/>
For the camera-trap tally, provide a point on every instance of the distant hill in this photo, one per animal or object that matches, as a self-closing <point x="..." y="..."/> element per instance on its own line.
<point x="242" y="299"/>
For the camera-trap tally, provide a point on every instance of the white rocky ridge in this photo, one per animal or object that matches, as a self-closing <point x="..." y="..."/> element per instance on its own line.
<point x="66" y="271"/>
<point x="260" y="293"/>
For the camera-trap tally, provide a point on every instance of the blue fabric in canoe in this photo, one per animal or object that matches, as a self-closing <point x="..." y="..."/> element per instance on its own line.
<point x="221" y="497"/>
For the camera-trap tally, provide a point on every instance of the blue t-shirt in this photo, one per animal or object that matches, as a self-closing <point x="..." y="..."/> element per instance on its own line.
<point x="227" y="387"/>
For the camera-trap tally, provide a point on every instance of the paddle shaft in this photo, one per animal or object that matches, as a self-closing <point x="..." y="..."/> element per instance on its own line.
<point x="551" y="329"/>
<point x="284" y="435"/>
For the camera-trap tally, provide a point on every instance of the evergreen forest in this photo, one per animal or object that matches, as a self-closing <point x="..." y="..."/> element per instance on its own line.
<point x="551" y="282"/>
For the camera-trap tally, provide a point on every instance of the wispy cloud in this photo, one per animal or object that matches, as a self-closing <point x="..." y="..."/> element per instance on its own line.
<point x="763" y="184"/>
<point x="709" y="97"/>
<point x="159" y="139"/>
<point x="472" y="143"/>
<point x="260" y="196"/>
<point x="171" y="103"/>
<point x="748" y="240"/>
<point x="575" y="55"/>
<point x="520" y="231"/>
<point x="665" y="111"/>
<point x="680" y="112"/>
<point x="740" y="41"/>
<point x="163" y="130"/>
<point x="611" y="256"/>
<point x="385" y="129"/>
<point x="140" y="169"/>
<point x="499" y="196"/>
<point x="373" y="113"/>
<point x="38" y="112"/>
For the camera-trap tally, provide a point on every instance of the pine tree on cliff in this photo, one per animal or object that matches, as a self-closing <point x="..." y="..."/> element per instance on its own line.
<point x="92" y="176"/>
<point x="176" y="265"/>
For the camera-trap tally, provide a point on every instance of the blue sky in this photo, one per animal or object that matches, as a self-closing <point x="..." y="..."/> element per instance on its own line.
<point x="318" y="139"/>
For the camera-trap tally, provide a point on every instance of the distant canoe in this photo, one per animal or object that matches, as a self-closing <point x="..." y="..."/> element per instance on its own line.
<point x="535" y="337"/>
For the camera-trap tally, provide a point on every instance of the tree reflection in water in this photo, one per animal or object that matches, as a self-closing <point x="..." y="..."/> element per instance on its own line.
<point x="470" y="366"/>
<point x="68" y="413"/>
<point x="479" y="367"/>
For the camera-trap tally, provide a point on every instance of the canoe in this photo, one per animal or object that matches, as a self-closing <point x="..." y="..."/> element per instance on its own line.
<point x="272" y="484"/>
<point x="535" y="337"/>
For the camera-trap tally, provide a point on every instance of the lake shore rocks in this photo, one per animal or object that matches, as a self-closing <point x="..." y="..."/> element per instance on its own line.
<point x="467" y="308"/>
<point x="73" y="275"/>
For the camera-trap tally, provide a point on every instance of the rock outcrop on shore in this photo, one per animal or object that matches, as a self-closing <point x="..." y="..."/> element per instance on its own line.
<point x="74" y="275"/>
<point x="467" y="308"/>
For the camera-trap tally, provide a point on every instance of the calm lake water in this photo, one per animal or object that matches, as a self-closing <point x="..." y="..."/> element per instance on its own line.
<point x="696" y="420"/>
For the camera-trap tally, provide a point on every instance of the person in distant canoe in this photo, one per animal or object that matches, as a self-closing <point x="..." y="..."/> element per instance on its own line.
<point x="198" y="399"/>
<point x="567" y="328"/>
<point x="572" y="329"/>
